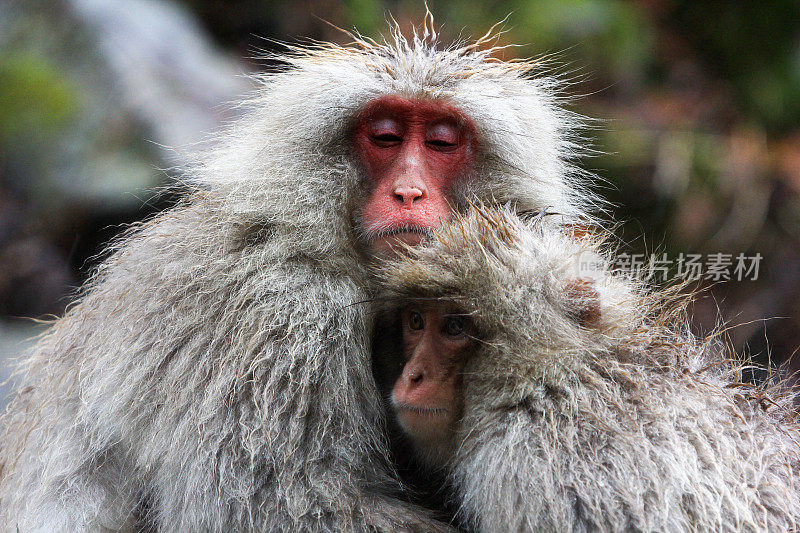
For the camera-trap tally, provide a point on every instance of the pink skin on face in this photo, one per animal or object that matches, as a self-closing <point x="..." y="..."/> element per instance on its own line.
<point x="413" y="151"/>
<point x="427" y="396"/>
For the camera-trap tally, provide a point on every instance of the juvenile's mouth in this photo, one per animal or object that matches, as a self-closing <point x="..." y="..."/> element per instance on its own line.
<point x="419" y="410"/>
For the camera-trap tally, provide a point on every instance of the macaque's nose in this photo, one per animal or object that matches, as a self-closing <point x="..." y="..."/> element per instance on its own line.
<point x="408" y="193"/>
<point x="415" y="377"/>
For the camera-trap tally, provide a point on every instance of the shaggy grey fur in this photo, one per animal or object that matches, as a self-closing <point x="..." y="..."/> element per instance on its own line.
<point x="623" y="423"/>
<point x="215" y="373"/>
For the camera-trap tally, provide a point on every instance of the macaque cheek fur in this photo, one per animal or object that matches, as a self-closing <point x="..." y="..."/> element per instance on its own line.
<point x="414" y="153"/>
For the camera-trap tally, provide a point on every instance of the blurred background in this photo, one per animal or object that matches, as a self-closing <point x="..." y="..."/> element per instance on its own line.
<point x="698" y="143"/>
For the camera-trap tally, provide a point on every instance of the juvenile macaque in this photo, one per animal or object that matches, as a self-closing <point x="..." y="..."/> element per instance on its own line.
<point x="427" y="397"/>
<point x="570" y="402"/>
<point x="215" y="374"/>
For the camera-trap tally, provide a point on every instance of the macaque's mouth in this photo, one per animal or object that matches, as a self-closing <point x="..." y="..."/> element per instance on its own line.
<point x="418" y="410"/>
<point x="403" y="230"/>
<point x="391" y="239"/>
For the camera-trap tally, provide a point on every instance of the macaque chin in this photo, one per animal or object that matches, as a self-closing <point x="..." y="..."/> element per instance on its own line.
<point x="427" y="398"/>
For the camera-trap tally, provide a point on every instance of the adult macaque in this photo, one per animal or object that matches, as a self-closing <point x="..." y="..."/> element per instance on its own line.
<point x="562" y="403"/>
<point x="215" y="374"/>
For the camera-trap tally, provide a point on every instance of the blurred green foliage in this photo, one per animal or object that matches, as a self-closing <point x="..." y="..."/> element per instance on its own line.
<point x="35" y="98"/>
<point x="755" y="46"/>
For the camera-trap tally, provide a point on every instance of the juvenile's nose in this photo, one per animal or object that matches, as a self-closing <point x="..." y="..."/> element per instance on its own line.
<point x="415" y="377"/>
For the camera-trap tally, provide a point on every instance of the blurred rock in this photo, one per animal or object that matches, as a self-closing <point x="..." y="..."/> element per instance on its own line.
<point x="142" y="85"/>
<point x="169" y="74"/>
<point x="95" y="97"/>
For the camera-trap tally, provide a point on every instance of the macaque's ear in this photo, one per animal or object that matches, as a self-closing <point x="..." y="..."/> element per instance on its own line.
<point x="584" y="301"/>
<point x="581" y="231"/>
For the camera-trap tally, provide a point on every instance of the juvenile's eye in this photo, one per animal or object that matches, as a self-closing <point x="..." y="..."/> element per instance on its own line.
<point x="415" y="321"/>
<point x="454" y="326"/>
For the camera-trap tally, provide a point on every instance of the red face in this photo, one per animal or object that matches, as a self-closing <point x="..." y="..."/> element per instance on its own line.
<point x="427" y="396"/>
<point x="413" y="153"/>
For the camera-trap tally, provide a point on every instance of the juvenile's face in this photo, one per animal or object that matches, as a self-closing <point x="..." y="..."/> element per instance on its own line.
<point x="427" y="397"/>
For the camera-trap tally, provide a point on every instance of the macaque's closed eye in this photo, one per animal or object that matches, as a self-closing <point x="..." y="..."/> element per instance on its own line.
<point x="385" y="132"/>
<point x="443" y="137"/>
